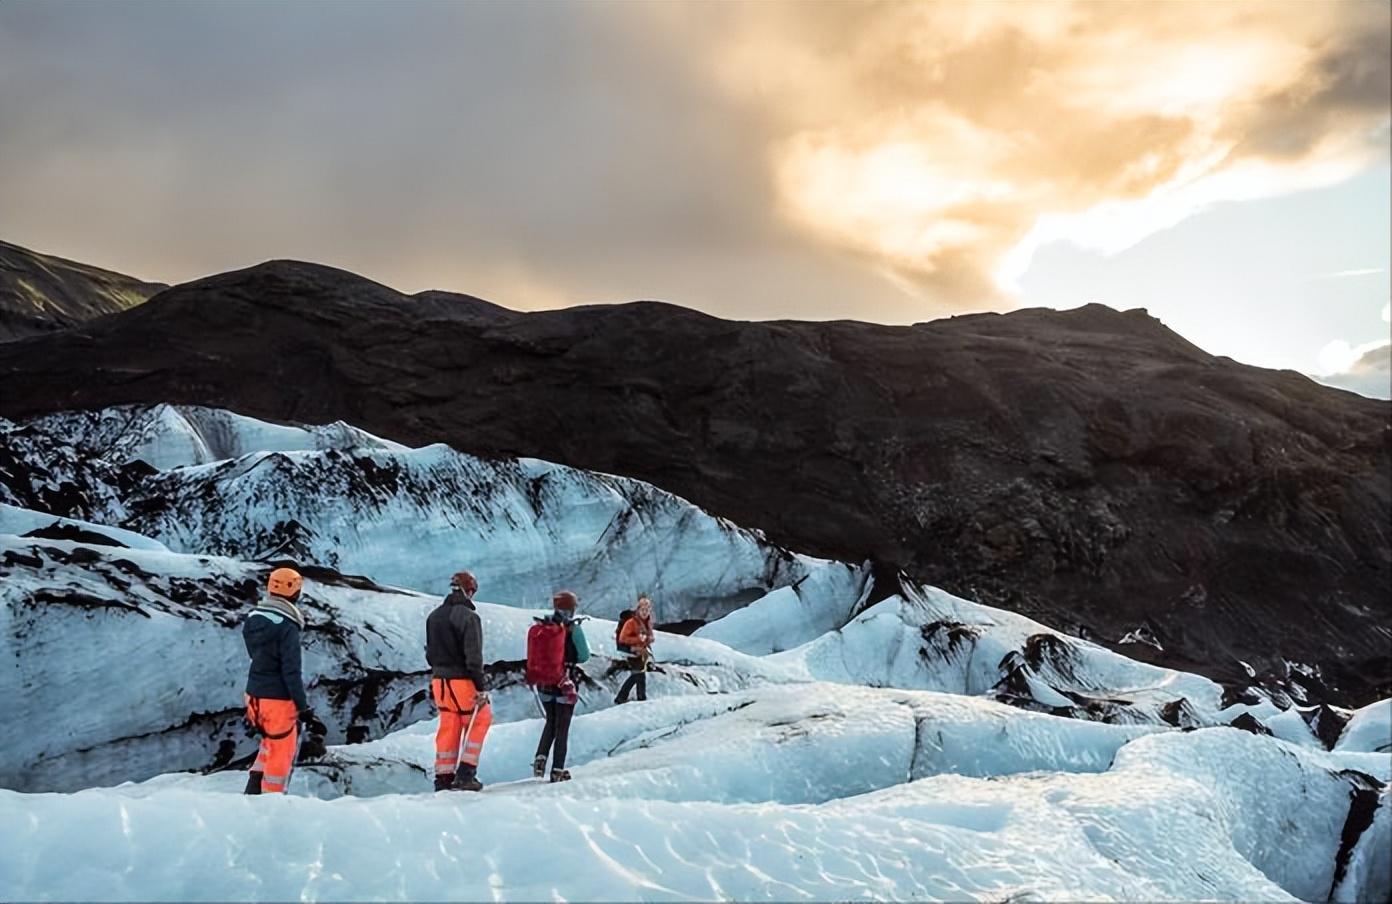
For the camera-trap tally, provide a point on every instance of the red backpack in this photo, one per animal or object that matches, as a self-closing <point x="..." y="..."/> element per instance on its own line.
<point x="546" y="654"/>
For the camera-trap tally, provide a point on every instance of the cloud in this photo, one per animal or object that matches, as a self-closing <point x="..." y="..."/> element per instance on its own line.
<point x="1340" y="357"/>
<point x="1366" y="370"/>
<point x="891" y="161"/>
<point x="948" y="141"/>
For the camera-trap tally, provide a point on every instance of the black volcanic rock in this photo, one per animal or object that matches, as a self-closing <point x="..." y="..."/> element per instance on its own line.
<point x="40" y="293"/>
<point x="1090" y="467"/>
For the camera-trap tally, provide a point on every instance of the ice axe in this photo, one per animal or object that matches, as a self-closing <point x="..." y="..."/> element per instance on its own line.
<point x="294" y="760"/>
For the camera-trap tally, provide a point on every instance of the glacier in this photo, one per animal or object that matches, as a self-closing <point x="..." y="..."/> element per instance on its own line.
<point x="203" y="481"/>
<point x="824" y="733"/>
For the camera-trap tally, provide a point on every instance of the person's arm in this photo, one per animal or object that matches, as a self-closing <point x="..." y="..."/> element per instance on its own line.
<point x="473" y="650"/>
<point x="579" y="643"/>
<point x="290" y="665"/>
<point x="629" y="635"/>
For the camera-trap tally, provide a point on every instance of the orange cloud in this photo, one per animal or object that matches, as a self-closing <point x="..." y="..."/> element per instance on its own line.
<point x="943" y="142"/>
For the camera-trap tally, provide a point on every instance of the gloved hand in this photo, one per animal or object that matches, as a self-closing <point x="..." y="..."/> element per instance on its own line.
<point x="313" y="747"/>
<point x="311" y="722"/>
<point x="481" y="699"/>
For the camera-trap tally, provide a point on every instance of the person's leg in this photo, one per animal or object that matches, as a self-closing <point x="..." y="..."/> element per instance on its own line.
<point x="446" y="736"/>
<point x="548" y="731"/>
<point x="258" y="769"/>
<point x="635" y="666"/>
<point x="477" y="722"/>
<point x="563" y="714"/>
<point x="643" y="683"/>
<point x="280" y="725"/>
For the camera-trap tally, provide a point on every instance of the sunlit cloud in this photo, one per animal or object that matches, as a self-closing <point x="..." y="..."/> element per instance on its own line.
<point x="1365" y="369"/>
<point x="947" y="142"/>
<point x="1339" y="357"/>
<point x="890" y="161"/>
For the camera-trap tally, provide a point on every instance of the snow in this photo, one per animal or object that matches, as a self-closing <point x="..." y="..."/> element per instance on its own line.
<point x="786" y="744"/>
<point x="931" y="640"/>
<point x="18" y="521"/>
<point x="173" y="436"/>
<point x="64" y="607"/>
<point x="1369" y="872"/>
<point x="338" y="497"/>
<point x="794" y="615"/>
<point x="1176" y="816"/>
<point x="803" y="744"/>
<point x="1370" y="729"/>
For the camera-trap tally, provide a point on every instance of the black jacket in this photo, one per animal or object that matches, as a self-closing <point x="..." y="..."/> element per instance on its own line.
<point x="273" y="642"/>
<point x="454" y="640"/>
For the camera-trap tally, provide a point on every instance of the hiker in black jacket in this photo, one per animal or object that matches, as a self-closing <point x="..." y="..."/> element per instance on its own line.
<point x="454" y="649"/>
<point x="275" y="693"/>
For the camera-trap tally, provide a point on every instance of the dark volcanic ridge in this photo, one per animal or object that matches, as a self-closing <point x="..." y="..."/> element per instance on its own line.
<point x="40" y="293"/>
<point x="1089" y="468"/>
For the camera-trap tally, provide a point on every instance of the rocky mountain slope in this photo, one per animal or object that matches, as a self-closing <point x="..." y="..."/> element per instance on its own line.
<point x="40" y="293"/>
<point x="1090" y="468"/>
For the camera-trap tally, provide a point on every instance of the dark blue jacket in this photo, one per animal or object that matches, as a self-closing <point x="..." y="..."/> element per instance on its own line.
<point x="273" y="642"/>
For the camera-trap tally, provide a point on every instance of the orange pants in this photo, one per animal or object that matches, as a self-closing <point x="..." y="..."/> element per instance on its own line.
<point x="278" y="722"/>
<point x="454" y="698"/>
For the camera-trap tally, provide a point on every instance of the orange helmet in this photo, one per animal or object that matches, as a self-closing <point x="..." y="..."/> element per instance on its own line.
<point x="565" y="601"/>
<point x="285" y="582"/>
<point x="465" y="581"/>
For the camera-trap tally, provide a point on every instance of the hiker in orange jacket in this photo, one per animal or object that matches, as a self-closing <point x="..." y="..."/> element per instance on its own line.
<point x="636" y="636"/>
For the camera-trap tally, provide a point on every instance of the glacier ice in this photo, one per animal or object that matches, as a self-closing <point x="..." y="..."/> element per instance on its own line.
<point x="820" y="737"/>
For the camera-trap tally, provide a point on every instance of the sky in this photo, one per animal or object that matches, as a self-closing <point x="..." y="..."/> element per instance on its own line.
<point x="1224" y="165"/>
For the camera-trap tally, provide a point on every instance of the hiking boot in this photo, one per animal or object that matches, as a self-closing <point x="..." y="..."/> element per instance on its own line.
<point x="539" y="766"/>
<point x="620" y="701"/>
<point x="560" y="775"/>
<point x="253" y="785"/>
<point x="466" y="780"/>
<point x="444" y="781"/>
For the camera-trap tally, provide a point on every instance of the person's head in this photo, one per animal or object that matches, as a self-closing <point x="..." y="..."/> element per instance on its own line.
<point x="285" y="583"/>
<point x="644" y="607"/>
<point x="465" y="583"/>
<point x="564" y="604"/>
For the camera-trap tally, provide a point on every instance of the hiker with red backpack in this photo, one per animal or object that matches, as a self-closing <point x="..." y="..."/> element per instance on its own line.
<point x="556" y="646"/>
<point x="634" y="636"/>
<point x="454" y="649"/>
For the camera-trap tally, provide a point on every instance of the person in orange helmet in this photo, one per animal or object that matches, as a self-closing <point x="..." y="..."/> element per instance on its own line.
<point x="275" y="693"/>
<point x="454" y="650"/>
